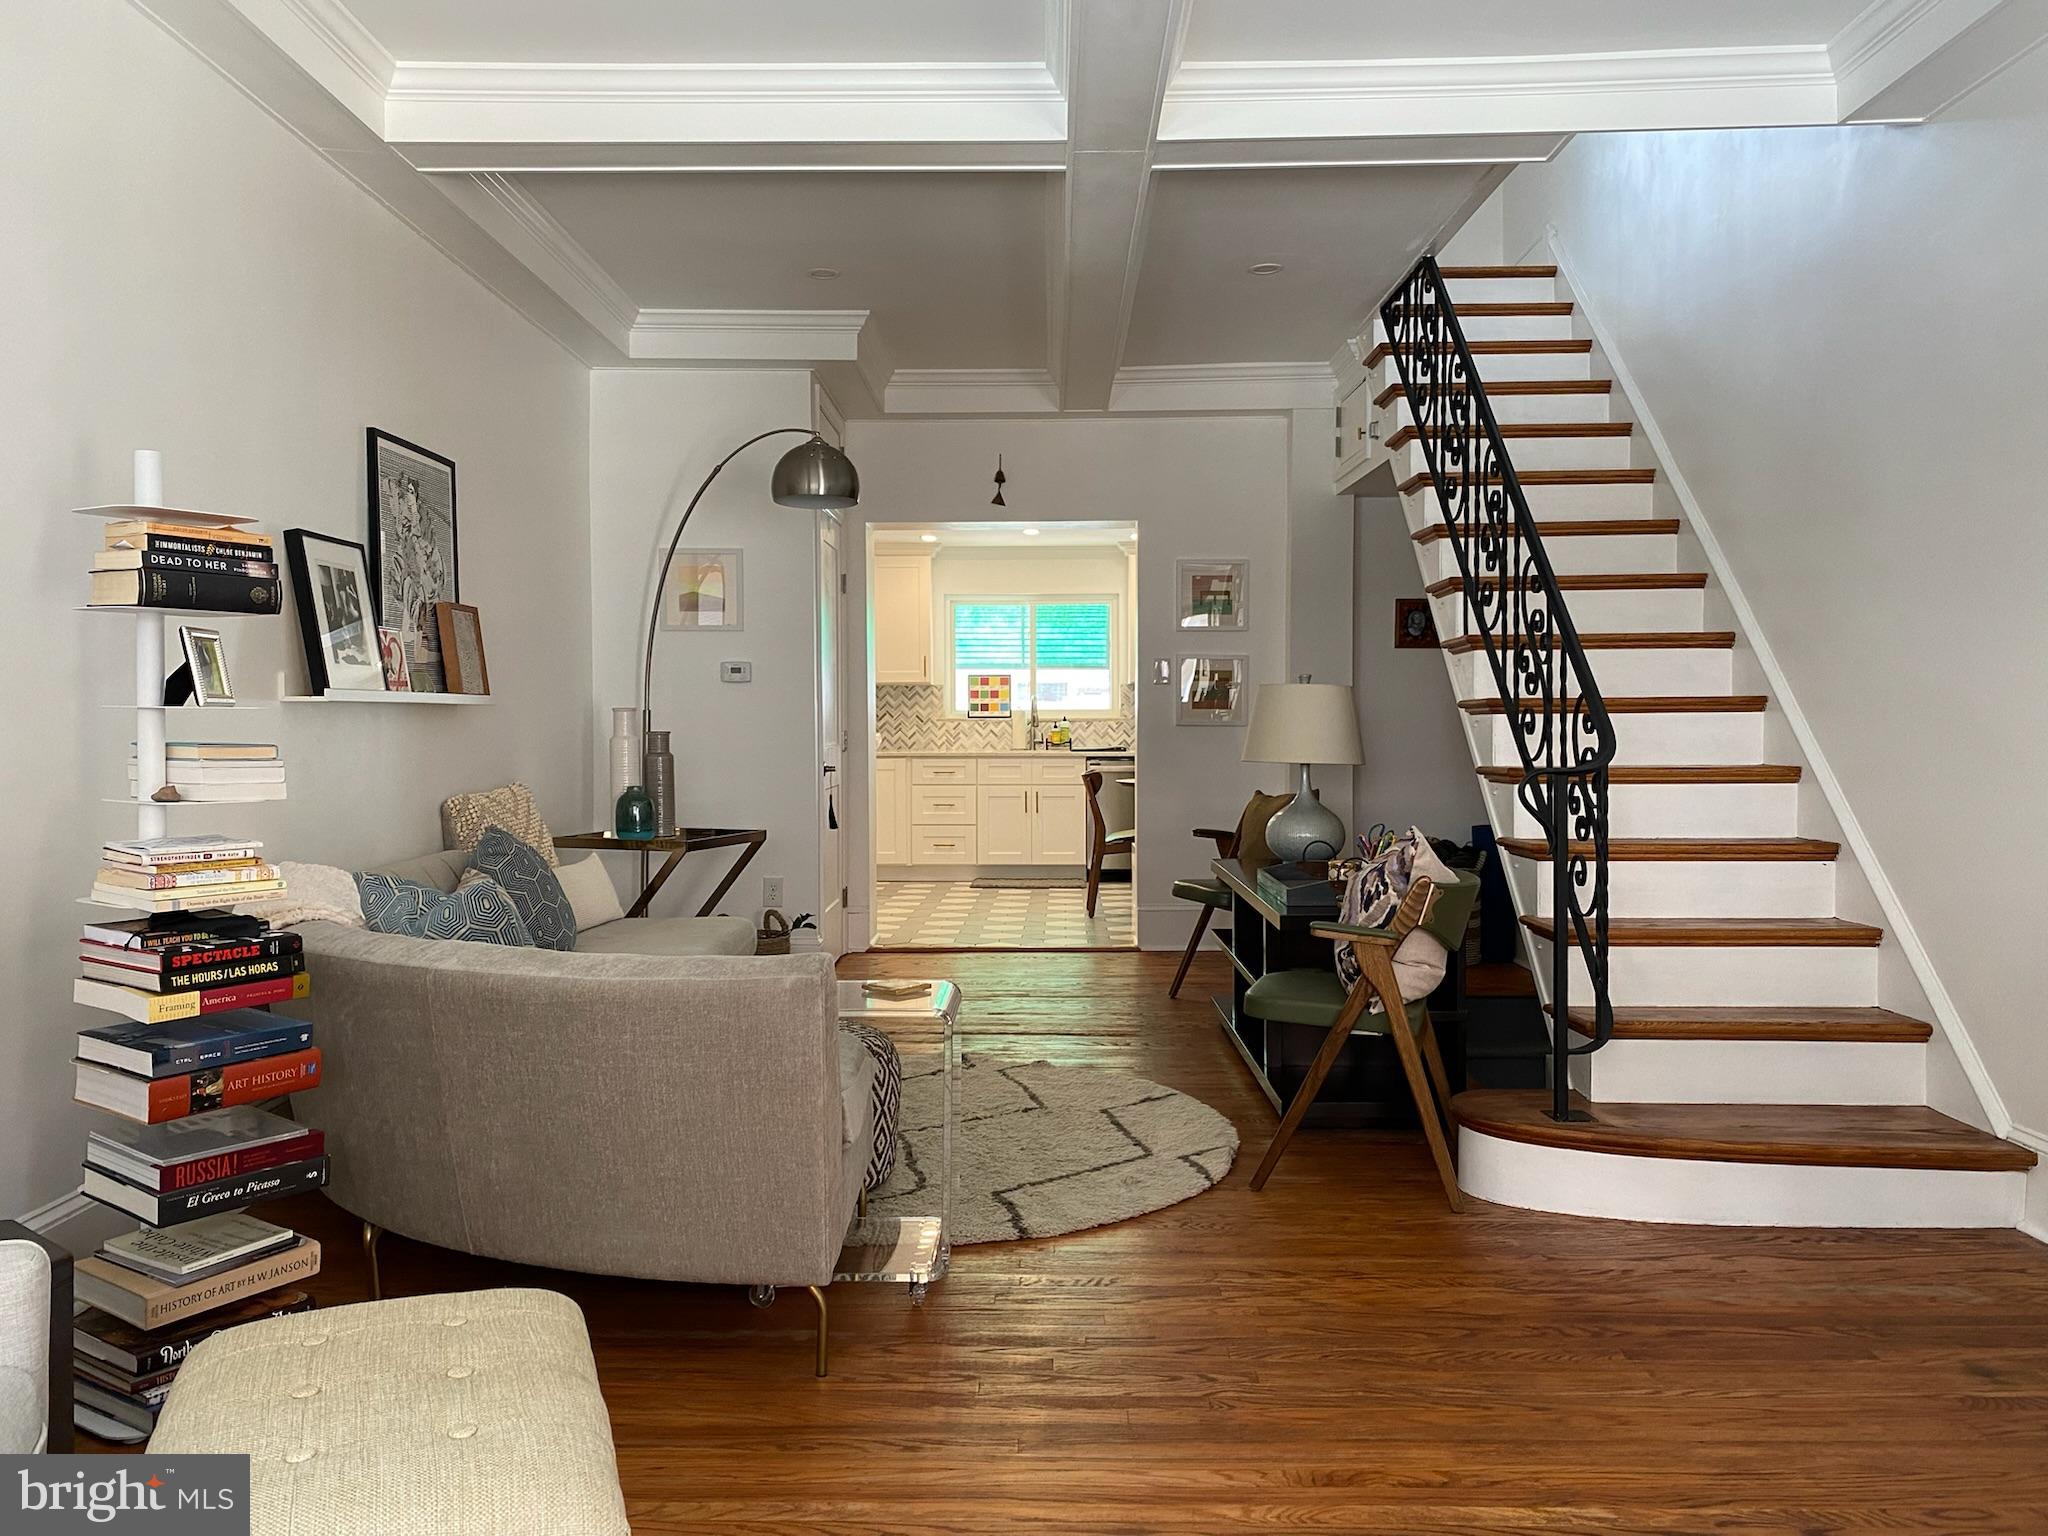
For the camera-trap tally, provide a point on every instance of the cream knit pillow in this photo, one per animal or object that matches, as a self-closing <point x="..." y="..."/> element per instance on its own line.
<point x="465" y="818"/>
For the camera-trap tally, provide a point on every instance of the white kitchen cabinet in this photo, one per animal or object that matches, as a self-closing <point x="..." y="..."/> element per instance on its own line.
<point x="1059" y="824"/>
<point x="902" y="605"/>
<point x="936" y="805"/>
<point x="1003" y="824"/>
<point x="892" y="810"/>
<point x="942" y="845"/>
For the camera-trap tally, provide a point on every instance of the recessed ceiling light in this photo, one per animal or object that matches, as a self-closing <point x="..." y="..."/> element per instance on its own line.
<point x="824" y="274"/>
<point x="928" y="538"/>
<point x="1257" y="269"/>
<point x="1030" y="533"/>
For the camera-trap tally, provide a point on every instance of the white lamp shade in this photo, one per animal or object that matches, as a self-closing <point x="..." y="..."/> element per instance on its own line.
<point x="1303" y="723"/>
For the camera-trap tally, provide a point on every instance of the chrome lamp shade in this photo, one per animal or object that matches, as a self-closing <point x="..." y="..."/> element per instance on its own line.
<point x="815" y="475"/>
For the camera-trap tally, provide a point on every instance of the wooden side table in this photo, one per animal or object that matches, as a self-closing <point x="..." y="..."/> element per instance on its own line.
<point x="676" y="845"/>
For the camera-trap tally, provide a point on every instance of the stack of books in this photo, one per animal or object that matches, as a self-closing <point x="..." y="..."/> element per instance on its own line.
<point x="183" y="874"/>
<point x="231" y="771"/>
<point x="146" y="563"/>
<point x="1300" y="890"/>
<point x="151" y="1295"/>
<point x="152" y="1073"/>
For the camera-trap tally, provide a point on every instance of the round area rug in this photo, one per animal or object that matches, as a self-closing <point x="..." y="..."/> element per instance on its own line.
<point x="1040" y="1149"/>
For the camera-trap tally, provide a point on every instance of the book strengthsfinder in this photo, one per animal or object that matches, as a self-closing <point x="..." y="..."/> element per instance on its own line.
<point x="149" y="1303"/>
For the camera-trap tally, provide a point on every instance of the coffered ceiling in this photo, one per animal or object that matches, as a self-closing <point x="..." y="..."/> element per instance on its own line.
<point x="999" y="205"/>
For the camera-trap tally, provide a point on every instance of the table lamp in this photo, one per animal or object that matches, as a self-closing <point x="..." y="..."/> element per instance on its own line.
<point x="1304" y="723"/>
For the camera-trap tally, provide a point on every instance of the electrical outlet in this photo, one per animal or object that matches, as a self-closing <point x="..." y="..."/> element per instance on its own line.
<point x="771" y="891"/>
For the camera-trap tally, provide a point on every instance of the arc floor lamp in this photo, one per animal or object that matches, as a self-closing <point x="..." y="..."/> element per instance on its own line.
<point x="813" y="475"/>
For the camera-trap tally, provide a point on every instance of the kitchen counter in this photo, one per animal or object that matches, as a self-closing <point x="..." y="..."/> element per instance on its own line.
<point x="1012" y="752"/>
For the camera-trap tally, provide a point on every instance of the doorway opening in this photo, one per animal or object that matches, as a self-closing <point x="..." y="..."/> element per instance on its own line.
<point x="1005" y="767"/>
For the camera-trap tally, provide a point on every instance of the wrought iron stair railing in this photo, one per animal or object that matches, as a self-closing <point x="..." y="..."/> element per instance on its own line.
<point x="1512" y="602"/>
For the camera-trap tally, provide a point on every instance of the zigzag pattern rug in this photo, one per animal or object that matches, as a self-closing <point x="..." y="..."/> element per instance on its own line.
<point x="1040" y="1149"/>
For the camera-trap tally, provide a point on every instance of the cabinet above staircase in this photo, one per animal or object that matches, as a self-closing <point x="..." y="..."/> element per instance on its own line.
<point x="1738" y="1043"/>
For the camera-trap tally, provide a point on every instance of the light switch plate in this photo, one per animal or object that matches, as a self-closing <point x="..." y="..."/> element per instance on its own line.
<point x="735" y="671"/>
<point x="1162" y="671"/>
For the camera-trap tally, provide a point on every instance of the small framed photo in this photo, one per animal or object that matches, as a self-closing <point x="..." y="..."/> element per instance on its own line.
<point x="337" y="615"/>
<point x="207" y="657"/>
<point x="1212" y="690"/>
<point x="1414" y="624"/>
<point x="462" y="648"/>
<point x="703" y="590"/>
<point x="988" y="695"/>
<point x="397" y="672"/>
<point x="1212" y="594"/>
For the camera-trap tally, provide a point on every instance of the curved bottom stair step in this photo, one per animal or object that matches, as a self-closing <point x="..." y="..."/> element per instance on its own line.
<point x="1849" y="1025"/>
<point x="1739" y="1164"/>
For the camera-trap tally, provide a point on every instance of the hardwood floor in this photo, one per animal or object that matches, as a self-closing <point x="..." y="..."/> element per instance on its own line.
<point x="1338" y="1353"/>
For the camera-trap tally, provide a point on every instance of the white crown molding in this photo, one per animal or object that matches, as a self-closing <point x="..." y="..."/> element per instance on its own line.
<point x="516" y="157"/>
<point x="747" y="335"/>
<point x="1224" y="387"/>
<point x="508" y="213"/>
<point x="1381" y="149"/>
<point x="971" y="392"/>
<point x="1528" y="94"/>
<point x="451" y="103"/>
<point x="1908" y="60"/>
<point x="324" y="38"/>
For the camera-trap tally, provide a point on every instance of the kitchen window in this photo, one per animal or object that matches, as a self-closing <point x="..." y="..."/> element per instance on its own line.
<point x="1058" y="651"/>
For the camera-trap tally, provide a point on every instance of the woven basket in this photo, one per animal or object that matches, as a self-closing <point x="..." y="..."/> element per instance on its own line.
<point x="772" y="937"/>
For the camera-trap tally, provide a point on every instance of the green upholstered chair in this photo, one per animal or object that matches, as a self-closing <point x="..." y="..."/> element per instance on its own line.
<point x="1318" y="998"/>
<point x="1211" y="895"/>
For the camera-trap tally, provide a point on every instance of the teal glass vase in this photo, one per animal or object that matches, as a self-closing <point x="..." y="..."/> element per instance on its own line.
<point x="634" y="818"/>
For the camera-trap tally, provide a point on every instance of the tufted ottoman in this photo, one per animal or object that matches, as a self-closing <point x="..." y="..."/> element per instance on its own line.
<point x="454" y="1415"/>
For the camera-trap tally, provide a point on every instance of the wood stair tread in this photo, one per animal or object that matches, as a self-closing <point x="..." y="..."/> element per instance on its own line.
<point x="1569" y="347"/>
<point x="1836" y="1024"/>
<point x="1529" y="477"/>
<point x="1728" y="932"/>
<point x="1618" y="640"/>
<point x="1490" y="307"/>
<point x="1690" y="849"/>
<point x="1613" y="581"/>
<point x="1673" y="773"/>
<point x="1533" y="429"/>
<point x="1572" y="528"/>
<point x="1393" y="391"/>
<point x="1815" y="1135"/>
<point x="1642" y="704"/>
<point x="1449" y="273"/>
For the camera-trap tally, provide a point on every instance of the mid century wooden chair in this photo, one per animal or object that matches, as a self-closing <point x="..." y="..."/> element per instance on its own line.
<point x="1212" y="895"/>
<point x="1101" y="841"/>
<point x="1318" y="997"/>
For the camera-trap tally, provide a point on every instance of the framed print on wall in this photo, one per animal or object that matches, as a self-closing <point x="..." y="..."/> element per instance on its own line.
<point x="412" y="548"/>
<point x="337" y="619"/>
<point x="703" y="590"/>
<point x="462" y="648"/>
<point x="1414" y="624"/>
<point x="1212" y="594"/>
<point x="1211" y="690"/>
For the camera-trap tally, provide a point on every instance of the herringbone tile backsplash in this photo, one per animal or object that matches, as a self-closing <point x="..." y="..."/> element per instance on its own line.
<point x="911" y="717"/>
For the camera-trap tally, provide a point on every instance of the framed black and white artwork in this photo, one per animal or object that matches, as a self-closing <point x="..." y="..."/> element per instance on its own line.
<point x="337" y="622"/>
<point x="412" y="548"/>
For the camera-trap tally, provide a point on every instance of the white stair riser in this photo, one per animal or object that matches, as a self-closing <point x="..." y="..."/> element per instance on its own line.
<point x="1502" y="290"/>
<point x="1621" y="672"/>
<point x="1695" y="888"/>
<point x="1576" y="1183"/>
<point x="1672" y="810"/>
<point x="1728" y="976"/>
<point x="1655" y="608"/>
<point x="1500" y="327"/>
<point x="1519" y="410"/>
<point x="1591" y="555"/>
<point x="1497" y="366"/>
<point x="1672" y="738"/>
<point x="1547" y="503"/>
<point x="1531" y="453"/>
<point x="1752" y="1072"/>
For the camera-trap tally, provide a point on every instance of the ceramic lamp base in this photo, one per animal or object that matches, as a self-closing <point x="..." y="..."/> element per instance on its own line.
<point x="1305" y="829"/>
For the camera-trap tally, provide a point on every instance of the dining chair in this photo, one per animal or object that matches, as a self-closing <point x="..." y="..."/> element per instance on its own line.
<point x="1244" y="841"/>
<point x="1102" y="842"/>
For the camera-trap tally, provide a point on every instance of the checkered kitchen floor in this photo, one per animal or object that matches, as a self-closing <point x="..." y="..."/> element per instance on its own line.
<point x="952" y="914"/>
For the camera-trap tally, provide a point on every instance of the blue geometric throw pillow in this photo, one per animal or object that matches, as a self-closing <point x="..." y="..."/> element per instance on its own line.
<point x="526" y="877"/>
<point x="477" y="913"/>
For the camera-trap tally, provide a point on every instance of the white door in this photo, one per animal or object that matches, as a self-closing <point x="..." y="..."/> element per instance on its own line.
<point x="1003" y="824"/>
<point x="892" y="824"/>
<point x="831" y="745"/>
<point x="1059" y="824"/>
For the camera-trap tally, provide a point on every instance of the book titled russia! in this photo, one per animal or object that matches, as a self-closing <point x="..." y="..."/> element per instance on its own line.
<point x="154" y="1100"/>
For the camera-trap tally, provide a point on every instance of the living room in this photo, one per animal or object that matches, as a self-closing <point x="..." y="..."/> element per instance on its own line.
<point x="1436" y="1093"/>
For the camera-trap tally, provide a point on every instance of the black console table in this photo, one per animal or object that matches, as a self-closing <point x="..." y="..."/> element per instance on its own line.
<point x="1366" y="1087"/>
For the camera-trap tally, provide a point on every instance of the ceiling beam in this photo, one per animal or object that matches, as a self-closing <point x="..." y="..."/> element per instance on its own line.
<point x="526" y="157"/>
<point x="1123" y="53"/>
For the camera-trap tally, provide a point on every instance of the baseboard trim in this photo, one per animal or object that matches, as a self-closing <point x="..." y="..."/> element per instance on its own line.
<point x="1939" y="1002"/>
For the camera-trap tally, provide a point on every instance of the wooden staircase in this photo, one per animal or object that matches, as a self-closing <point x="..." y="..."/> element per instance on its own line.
<point x="1768" y="1062"/>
